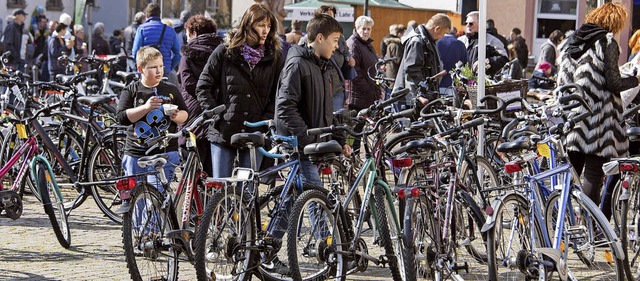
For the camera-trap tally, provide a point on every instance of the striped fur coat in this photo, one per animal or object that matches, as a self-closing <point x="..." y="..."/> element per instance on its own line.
<point x="596" y="70"/>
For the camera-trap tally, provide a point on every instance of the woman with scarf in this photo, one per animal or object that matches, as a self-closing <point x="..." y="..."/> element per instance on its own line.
<point x="201" y="41"/>
<point x="589" y="58"/>
<point x="242" y="74"/>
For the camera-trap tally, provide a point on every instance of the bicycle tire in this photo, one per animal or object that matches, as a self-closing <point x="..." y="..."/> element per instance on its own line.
<point x="420" y="231"/>
<point x="490" y="179"/>
<point x="53" y="205"/>
<point x="471" y="221"/>
<point x="107" y="197"/>
<point x="626" y="216"/>
<point x="390" y="238"/>
<point x="320" y="253"/>
<point x="226" y="249"/>
<point x="584" y="251"/>
<point x="144" y="243"/>
<point x="499" y="256"/>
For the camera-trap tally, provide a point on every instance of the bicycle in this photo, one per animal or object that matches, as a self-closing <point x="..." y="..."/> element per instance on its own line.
<point x="158" y="227"/>
<point x="531" y="235"/>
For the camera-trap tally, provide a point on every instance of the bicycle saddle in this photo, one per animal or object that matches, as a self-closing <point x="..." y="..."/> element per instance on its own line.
<point x="95" y="100"/>
<point x="524" y="131"/>
<point x="64" y="79"/>
<point x="514" y="146"/>
<point x="241" y="140"/>
<point x="323" y="151"/>
<point x="414" y="146"/>
<point x="152" y="161"/>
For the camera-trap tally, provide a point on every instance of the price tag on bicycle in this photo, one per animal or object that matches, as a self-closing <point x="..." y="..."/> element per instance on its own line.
<point x="22" y="131"/>
<point x="544" y="150"/>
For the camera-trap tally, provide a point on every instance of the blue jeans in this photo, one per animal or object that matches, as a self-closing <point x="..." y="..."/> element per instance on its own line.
<point x="338" y="101"/>
<point x="223" y="157"/>
<point x="145" y="215"/>
<point x="310" y="175"/>
<point x="130" y="166"/>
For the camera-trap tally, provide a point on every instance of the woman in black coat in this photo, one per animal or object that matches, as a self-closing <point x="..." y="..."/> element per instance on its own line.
<point x="242" y="74"/>
<point x="201" y="41"/>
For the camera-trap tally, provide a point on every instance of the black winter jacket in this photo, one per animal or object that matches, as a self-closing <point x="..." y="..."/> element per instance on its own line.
<point x="192" y="62"/>
<point x="248" y="93"/>
<point x="304" y="96"/>
<point x="13" y="41"/>
<point x="419" y="61"/>
<point x="364" y="91"/>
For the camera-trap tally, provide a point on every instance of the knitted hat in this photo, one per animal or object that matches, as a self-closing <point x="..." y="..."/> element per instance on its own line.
<point x="544" y="66"/>
<point x="65" y="19"/>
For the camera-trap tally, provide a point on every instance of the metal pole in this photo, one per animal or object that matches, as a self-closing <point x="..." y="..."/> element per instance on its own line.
<point x="161" y="8"/>
<point x="482" y="55"/>
<point x="366" y="7"/>
<point x="87" y="11"/>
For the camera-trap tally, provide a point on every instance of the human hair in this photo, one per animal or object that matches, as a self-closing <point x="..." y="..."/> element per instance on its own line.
<point x="610" y="16"/>
<point x="439" y="19"/>
<point x="556" y="36"/>
<point x="152" y="10"/>
<point x="634" y="42"/>
<point x="168" y="22"/>
<point x="392" y="28"/>
<point x="325" y="9"/>
<point x="117" y="32"/>
<point x="200" y="24"/>
<point x="60" y="27"/>
<point x="491" y="23"/>
<point x="475" y="14"/>
<point x="516" y="31"/>
<point x="77" y="28"/>
<point x="512" y="51"/>
<point x="364" y="20"/>
<point x="245" y="34"/>
<point x="399" y="28"/>
<point x="296" y="25"/>
<point x="322" y="24"/>
<point x="147" y="54"/>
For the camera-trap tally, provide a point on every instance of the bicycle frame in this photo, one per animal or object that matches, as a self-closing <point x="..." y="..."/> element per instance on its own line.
<point x="28" y="149"/>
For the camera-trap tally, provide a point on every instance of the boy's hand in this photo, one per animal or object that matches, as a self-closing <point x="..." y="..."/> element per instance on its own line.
<point x="153" y="103"/>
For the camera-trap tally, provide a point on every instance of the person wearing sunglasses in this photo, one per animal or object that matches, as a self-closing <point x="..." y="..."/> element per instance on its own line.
<point x="496" y="53"/>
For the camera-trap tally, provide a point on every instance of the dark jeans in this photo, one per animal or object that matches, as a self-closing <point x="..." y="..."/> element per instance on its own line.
<point x="593" y="176"/>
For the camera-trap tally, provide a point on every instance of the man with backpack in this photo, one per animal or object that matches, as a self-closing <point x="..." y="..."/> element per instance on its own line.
<point x="162" y="37"/>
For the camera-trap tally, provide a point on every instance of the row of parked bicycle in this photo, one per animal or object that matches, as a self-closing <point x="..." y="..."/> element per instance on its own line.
<point x="418" y="190"/>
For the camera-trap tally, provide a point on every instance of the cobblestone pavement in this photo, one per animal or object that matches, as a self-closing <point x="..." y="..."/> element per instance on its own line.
<point x="29" y="249"/>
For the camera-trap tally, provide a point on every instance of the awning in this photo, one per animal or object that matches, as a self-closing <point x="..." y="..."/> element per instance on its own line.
<point x="304" y="11"/>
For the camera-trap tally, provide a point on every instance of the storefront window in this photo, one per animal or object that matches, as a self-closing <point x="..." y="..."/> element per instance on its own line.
<point x="546" y="26"/>
<point x="567" y="7"/>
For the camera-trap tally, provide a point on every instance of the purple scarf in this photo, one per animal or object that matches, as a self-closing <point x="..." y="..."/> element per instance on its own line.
<point x="252" y="56"/>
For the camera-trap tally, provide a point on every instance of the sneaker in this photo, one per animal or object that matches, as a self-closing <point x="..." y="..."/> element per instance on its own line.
<point x="278" y="267"/>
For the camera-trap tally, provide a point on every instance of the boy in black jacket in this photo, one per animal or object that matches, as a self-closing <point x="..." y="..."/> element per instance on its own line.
<point x="304" y="98"/>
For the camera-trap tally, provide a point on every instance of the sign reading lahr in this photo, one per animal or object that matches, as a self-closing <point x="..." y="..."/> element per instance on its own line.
<point x="306" y="14"/>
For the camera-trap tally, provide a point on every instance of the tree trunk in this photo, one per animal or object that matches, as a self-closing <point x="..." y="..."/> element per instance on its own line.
<point x="195" y="6"/>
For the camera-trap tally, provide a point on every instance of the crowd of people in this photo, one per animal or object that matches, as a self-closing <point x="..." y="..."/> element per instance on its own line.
<point x="300" y="78"/>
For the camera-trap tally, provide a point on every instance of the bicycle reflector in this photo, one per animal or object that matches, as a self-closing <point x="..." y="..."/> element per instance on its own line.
<point x="126" y="184"/>
<point x="326" y="171"/>
<point x="408" y="192"/>
<point x="628" y="168"/>
<point x="402" y="162"/>
<point x="512" y="167"/>
<point x="213" y="184"/>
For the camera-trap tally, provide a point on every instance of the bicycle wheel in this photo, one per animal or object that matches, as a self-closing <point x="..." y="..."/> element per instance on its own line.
<point x="103" y="163"/>
<point x="485" y="173"/>
<point x="626" y="214"/>
<point x="10" y="145"/>
<point x="509" y="241"/>
<point x="148" y="252"/>
<point x="53" y="204"/>
<point x="224" y="240"/>
<point x="421" y="232"/>
<point x="391" y="238"/>
<point x="588" y="242"/>
<point x="314" y="240"/>
<point x="469" y="221"/>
